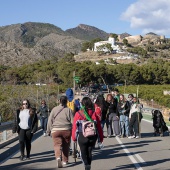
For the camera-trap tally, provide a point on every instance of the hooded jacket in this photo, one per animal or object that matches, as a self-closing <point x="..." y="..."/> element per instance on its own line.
<point x="69" y="94"/>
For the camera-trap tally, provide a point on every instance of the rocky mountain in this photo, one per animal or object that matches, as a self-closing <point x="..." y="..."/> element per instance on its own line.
<point x="86" y="32"/>
<point x="31" y="42"/>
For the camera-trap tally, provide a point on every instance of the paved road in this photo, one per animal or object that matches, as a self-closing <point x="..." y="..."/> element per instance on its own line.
<point x="146" y="153"/>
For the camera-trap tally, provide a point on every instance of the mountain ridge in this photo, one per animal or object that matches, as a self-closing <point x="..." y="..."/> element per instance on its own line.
<point x="34" y="41"/>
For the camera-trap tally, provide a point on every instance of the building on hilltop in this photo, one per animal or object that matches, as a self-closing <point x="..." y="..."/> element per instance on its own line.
<point x="110" y="41"/>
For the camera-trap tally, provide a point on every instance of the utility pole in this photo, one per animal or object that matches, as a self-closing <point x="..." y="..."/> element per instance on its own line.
<point x="137" y="92"/>
<point x="125" y="87"/>
<point x="74" y="84"/>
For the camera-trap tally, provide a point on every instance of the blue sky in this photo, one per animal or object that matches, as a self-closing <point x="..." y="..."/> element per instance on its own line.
<point x="112" y="16"/>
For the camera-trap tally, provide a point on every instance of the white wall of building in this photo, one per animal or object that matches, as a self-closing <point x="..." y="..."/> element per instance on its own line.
<point x="110" y="41"/>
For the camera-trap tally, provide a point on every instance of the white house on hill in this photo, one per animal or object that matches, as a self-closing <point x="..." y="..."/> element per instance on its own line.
<point x="110" y="40"/>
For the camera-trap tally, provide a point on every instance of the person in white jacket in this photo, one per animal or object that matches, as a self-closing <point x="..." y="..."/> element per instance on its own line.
<point x="135" y="118"/>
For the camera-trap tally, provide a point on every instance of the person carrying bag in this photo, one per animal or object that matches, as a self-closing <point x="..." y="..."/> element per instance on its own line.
<point x="59" y="127"/>
<point x="86" y="130"/>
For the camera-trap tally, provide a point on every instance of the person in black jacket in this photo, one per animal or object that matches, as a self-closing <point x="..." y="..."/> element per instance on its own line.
<point x="112" y="117"/>
<point x="101" y="103"/>
<point x="123" y="109"/>
<point x="43" y="110"/>
<point x="25" y="124"/>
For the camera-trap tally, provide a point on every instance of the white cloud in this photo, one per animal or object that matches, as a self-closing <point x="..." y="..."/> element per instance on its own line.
<point x="149" y="15"/>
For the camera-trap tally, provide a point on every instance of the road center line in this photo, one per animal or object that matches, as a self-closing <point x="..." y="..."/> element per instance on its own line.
<point x="129" y="154"/>
<point x="140" y="159"/>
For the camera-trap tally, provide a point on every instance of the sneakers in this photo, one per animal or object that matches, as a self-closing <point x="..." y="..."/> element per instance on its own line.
<point x="22" y="158"/>
<point x="28" y="157"/>
<point x="65" y="163"/>
<point x="131" y="137"/>
<point x="78" y="155"/>
<point x="59" y="163"/>
<point x="121" y="136"/>
<point x="137" y="137"/>
<point x="44" y="134"/>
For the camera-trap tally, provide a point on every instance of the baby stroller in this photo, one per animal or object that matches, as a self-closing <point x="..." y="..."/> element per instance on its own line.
<point x="159" y="123"/>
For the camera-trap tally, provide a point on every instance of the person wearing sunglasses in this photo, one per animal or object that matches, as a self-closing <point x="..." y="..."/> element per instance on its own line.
<point x="25" y="124"/>
<point x="43" y="110"/>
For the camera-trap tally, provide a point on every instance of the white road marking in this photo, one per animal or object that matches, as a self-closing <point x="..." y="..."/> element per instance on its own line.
<point x="140" y="159"/>
<point x="129" y="155"/>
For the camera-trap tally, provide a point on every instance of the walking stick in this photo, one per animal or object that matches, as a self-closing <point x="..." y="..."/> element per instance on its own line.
<point x="75" y="152"/>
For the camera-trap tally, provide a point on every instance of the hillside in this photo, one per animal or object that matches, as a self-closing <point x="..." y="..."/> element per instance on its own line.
<point x="31" y="42"/>
<point x="95" y="57"/>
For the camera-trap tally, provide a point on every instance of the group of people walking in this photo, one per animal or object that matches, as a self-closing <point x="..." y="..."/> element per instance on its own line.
<point x="122" y="116"/>
<point x="69" y="120"/>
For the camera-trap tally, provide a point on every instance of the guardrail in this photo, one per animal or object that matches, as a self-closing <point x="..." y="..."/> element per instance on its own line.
<point x="149" y="110"/>
<point x="4" y="129"/>
<point x="6" y="135"/>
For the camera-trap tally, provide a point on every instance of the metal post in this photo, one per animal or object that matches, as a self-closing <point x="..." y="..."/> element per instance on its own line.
<point x="74" y="84"/>
<point x="125" y="87"/>
<point x="4" y="135"/>
<point x="137" y="92"/>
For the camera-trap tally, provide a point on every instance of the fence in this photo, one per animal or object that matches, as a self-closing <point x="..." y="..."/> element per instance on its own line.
<point x="6" y="135"/>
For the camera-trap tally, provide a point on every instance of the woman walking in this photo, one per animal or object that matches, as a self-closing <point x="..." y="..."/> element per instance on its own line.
<point x="101" y="108"/>
<point x="124" y="109"/>
<point x="135" y="117"/>
<point x="25" y="124"/>
<point x="112" y="117"/>
<point x="59" y="126"/>
<point x="86" y="143"/>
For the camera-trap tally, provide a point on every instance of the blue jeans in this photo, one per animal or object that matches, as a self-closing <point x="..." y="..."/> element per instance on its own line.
<point x="44" y="121"/>
<point x="102" y="123"/>
<point x="124" y="124"/>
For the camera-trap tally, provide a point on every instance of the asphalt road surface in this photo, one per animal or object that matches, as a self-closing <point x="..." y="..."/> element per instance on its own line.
<point x="146" y="153"/>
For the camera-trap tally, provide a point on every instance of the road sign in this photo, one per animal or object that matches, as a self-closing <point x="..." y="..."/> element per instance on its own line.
<point x="77" y="81"/>
<point x="76" y="78"/>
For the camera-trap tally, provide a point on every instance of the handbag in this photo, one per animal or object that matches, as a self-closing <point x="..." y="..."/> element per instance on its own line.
<point x="53" y="120"/>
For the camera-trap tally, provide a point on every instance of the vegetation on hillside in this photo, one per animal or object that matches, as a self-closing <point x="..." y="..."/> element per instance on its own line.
<point x="11" y="96"/>
<point x="61" y="71"/>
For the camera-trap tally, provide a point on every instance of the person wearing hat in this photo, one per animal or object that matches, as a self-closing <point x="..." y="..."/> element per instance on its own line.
<point x="74" y="105"/>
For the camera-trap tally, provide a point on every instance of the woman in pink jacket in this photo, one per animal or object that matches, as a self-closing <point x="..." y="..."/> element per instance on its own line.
<point x="86" y="143"/>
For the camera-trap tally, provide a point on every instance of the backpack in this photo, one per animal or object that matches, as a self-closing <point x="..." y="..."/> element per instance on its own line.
<point x="71" y="105"/>
<point x="88" y="127"/>
<point x="77" y="105"/>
